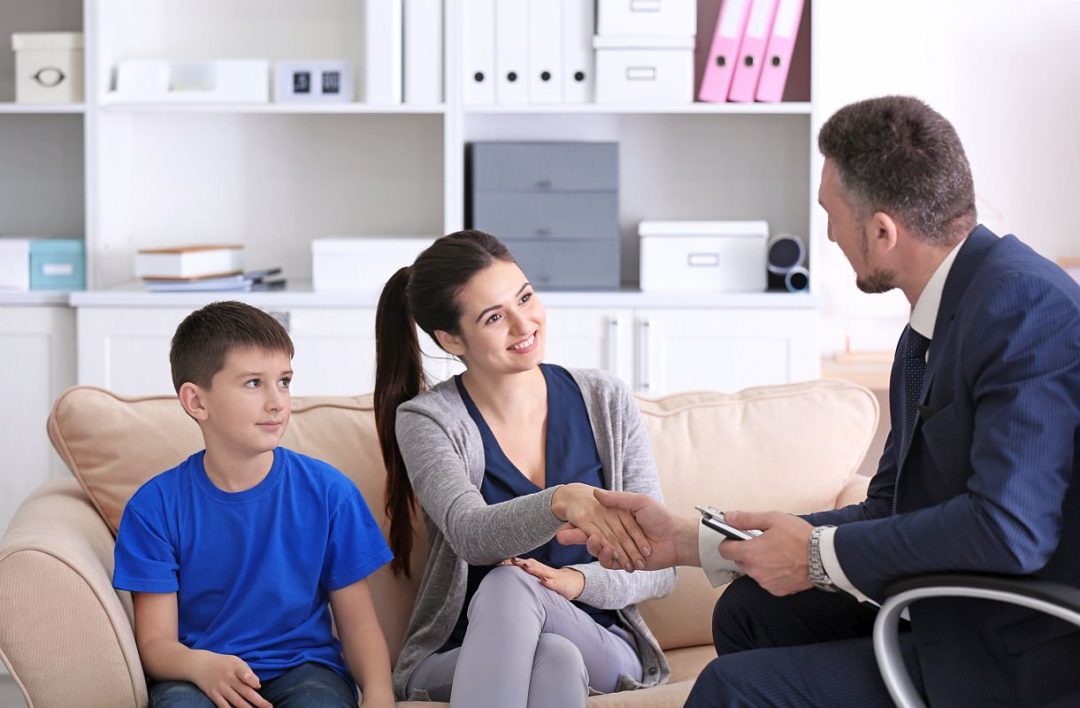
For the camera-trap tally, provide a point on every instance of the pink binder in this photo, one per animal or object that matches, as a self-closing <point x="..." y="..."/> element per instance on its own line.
<point x="724" y="51"/>
<point x="752" y="52"/>
<point x="774" y="71"/>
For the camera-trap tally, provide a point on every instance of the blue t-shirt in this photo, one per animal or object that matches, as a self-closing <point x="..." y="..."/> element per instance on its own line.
<point x="570" y="456"/>
<point x="252" y="570"/>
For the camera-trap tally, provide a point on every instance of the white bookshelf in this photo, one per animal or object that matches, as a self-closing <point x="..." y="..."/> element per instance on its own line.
<point x="275" y="176"/>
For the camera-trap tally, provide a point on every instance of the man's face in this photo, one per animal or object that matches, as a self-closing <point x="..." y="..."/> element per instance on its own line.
<point x="851" y="234"/>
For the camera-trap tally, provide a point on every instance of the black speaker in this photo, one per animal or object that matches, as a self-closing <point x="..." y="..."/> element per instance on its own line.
<point x="785" y="260"/>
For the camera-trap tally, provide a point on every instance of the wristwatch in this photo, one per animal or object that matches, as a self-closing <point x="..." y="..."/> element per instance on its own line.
<point x="818" y="576"/>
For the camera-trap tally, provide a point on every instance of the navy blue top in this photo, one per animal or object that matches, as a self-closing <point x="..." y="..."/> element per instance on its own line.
<point x="252" y="570"/>
<point x="570" y="456"/>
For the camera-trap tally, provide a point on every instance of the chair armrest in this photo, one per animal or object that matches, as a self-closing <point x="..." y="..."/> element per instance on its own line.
<point x="65" y="634"/>
<point x="1058" y="600"/>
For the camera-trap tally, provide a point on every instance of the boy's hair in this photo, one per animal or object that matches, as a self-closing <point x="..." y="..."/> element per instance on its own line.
<point x="206" y="336"/>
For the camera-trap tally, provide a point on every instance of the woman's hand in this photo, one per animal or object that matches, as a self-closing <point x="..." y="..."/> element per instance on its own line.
<point x="568" y="582"/>
<point x="617" y="529"/>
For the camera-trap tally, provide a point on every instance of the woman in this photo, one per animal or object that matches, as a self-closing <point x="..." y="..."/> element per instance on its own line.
<point x="499" y="458"/>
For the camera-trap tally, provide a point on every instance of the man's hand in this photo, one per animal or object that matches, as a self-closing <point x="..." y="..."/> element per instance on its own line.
<point x="568" y="582"/>
<point x="778" y="558"/>
<point x="672" y="538"/>
<point x="613" y="528"/>
<point x="226" y="680"/>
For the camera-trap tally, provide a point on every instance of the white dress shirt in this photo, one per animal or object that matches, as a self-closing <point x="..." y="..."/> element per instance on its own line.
<point x="720" y="570"/>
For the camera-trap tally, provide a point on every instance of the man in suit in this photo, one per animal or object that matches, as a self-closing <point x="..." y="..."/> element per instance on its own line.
<point x="980" y="472"/>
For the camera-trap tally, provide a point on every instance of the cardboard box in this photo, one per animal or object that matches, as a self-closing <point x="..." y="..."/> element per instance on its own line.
<point x="361" y="262"/>
<point x="48" y="67"/>
<point x="644" y="70"/>
<point x="57" y="264"/>
<point x="714" y="256"/>
<point x="15" y="264"/>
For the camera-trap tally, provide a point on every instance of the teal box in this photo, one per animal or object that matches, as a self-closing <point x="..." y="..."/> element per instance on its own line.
<point x="58" y="264"/>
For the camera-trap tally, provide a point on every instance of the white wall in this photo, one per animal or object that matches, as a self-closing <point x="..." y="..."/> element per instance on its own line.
<point x="1006" y="73"/>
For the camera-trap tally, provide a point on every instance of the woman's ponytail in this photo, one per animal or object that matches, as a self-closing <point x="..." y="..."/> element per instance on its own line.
<point x="399" y="376"/>
<point x="423" y="295"/>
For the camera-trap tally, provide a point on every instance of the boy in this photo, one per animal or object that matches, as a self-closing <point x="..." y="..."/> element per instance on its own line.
<point x="233" y="555"/>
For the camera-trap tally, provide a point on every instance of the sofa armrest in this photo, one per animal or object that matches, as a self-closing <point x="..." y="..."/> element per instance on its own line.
<point x="853" y="492"/>
<point x="65" y="634"/>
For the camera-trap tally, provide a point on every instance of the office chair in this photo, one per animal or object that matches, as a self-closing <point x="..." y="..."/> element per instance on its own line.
<point x="1062" y="601"/>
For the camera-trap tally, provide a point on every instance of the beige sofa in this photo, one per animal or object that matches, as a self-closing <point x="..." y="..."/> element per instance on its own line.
<point x="66" y="635"/>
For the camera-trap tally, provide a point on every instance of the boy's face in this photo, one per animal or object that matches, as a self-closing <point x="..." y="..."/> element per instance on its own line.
<point x="246" y="409"/>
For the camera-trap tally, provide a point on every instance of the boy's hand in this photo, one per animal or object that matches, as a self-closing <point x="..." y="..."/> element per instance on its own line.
<point x="227" y="680"/>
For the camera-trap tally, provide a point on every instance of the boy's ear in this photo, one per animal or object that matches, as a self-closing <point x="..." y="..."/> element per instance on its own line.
<point x="191" y="399"/>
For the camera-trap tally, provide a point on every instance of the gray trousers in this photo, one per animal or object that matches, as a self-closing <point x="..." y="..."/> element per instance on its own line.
<point x="527" y="646"/>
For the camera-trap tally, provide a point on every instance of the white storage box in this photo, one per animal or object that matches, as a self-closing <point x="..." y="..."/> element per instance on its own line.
<point x="48" y="67"/>
<point x="14" y="264"/>
<point x="669" y="18"/>
<point x="219" y="81"/>
<point x="717" y="256"/>
<point x="361" y="262"/>
<point x="644" y="70"/>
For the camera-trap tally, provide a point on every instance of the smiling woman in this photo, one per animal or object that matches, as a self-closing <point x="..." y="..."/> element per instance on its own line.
<point x="500" y="458"/>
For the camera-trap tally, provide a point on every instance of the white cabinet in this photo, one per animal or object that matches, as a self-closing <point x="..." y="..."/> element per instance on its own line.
<point x="591" y="339"/>
<point x="125" y="348"/>
<point x="37" y="354"/>
<point x="661" y="350"/>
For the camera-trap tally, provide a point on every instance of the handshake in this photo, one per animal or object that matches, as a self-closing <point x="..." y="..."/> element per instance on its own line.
<point x="629" y="531"/>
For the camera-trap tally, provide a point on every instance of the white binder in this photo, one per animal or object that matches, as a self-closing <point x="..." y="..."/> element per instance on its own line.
<point x="512" y="52"/>
<point x="382" y="65"/>
<point x="578" y="60"/>
<point x="478" y="42"/>
<point x="423" y="51"/>
<point x="545" y="51"/>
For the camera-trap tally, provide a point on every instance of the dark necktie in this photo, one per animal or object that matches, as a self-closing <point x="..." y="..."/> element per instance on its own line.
<point x="914" y="361"/>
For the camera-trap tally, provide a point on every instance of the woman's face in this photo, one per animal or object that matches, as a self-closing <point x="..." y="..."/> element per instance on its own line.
<point x="503" y="323"/>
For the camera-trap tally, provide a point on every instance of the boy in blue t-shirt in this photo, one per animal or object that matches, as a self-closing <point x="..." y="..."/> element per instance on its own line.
<point x="233" y="556"/>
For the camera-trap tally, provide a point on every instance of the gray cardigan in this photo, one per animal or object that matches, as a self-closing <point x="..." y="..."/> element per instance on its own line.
<point x="444" y="456"/>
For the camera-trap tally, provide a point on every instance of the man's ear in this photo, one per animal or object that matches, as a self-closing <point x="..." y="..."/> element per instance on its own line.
<point x="191" y="399"/>
<point x="882" y="230"/>
<point x="452" y="343"/>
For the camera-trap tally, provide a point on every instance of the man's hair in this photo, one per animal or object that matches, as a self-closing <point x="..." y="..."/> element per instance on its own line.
<point x="206" y="336"/>
<point x="897" y="155"/>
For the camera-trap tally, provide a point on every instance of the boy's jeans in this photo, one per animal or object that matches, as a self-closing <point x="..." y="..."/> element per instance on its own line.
<point x="306" y="686"/>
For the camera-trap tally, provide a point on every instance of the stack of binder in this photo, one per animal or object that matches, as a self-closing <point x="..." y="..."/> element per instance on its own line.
<point x="521" y="52"/>
<point x="404" y="52"/>
<point x="750" y="55"/>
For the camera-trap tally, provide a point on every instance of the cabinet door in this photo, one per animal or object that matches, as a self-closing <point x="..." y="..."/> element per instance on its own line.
<point x="335" y="352"/>
<point x="37" y="352"/>
<point x="126" y="350"/>
<point x="724" y="350"/>
<point x="591" y="339"/>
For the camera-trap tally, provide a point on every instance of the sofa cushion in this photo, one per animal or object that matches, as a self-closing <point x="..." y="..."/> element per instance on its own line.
<point x="113" y="444"/>
<point x="791" y="448"/>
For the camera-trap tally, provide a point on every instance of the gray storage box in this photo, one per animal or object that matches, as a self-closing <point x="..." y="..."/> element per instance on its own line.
<point x="554" y="205"/>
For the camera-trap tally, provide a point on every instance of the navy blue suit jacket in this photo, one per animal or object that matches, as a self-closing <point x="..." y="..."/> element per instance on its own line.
<point x="990" y="481"/>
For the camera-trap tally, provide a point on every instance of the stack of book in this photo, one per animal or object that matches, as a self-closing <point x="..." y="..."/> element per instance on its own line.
<point x="202" y="267"/>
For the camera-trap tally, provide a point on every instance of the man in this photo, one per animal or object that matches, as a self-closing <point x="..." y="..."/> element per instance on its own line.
<point x="981" y="471"/>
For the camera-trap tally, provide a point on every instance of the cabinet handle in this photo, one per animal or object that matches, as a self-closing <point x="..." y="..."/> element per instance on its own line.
<point x="613" y="345"/>
<point x="643" y="356"/>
